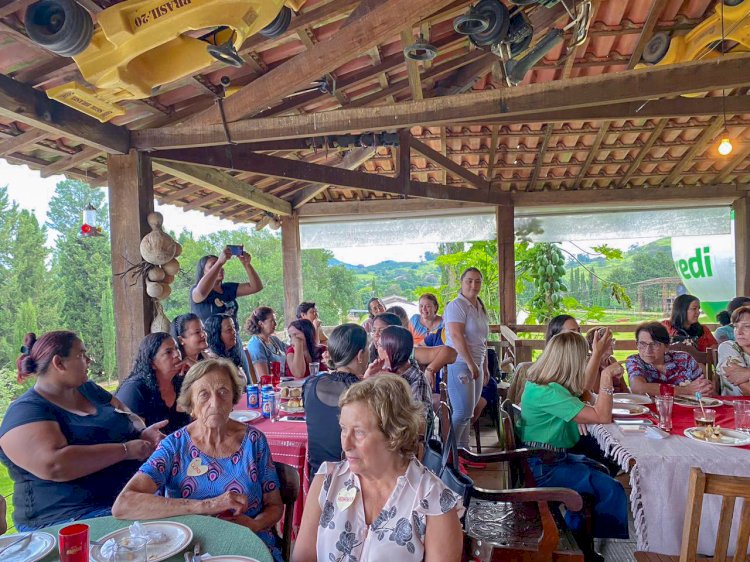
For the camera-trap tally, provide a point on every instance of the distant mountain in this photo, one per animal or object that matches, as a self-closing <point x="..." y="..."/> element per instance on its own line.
<point x="393" y="277"/>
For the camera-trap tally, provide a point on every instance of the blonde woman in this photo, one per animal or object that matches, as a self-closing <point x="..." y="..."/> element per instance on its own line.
<point x="379" y="503"/>
<point x="551" y="409"/>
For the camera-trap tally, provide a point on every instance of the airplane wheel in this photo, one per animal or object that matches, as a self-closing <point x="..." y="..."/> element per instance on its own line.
<point x="61" y="26"/>
<point x="279" y="25"/>
<point x="656" y="47"/>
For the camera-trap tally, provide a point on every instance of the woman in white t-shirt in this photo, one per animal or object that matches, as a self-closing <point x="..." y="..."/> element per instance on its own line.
<point x="468" y="327"/>
<point x="734" y="356"/>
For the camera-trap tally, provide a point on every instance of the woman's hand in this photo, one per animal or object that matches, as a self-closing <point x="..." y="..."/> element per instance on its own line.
<point x="701" y="384"/>
<point x="298" y="341"/>
<point x="224" y="256"/>
<point x="244" y="258"/>
<point x="138" y="450"/>
<point x="474" y="370"/>
<point x="374" y="368"/>
<point x="613" y="371"/>
<point x="242" y="519"/>
<point x="736" y="374"/>
<point x="153" y="433"/>
<point x="229" y="504"/>
<point x="602" y="341"/>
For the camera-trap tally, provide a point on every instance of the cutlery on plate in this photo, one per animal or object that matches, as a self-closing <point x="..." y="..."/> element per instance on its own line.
<point x="16" y="542"/>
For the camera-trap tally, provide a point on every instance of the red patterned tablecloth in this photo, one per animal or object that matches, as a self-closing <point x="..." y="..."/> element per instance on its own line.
<point x="288" y="443"/>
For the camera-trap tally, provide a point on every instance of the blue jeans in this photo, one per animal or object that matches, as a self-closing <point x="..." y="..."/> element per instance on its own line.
<point x="610" y="517"/>
<point x="93" y="514"/>
<point x="464" y="397"/>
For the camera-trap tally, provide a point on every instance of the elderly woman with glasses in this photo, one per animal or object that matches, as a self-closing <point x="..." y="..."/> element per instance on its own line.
<point x="654" y="365"/>
<point x="734" y="356"/>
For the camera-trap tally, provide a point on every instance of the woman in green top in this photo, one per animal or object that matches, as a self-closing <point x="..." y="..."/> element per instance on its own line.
<point x="551" y="409"/>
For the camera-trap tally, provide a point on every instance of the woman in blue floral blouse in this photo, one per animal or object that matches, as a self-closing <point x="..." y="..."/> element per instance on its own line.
<point x="213" y="466"/>
<point x="380" y="503"/>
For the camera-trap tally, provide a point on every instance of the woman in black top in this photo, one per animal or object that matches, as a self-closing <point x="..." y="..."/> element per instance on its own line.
<point x="347" y="348"/>
<point x="222" y="338"/>
<point x="152" y="388"/>
<point x="86" y="443"/>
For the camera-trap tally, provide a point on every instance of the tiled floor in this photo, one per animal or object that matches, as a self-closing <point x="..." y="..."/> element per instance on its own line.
<point x="493" y="477"/>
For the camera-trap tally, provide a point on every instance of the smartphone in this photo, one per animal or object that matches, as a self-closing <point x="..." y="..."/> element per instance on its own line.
<point x="237" y="250"/>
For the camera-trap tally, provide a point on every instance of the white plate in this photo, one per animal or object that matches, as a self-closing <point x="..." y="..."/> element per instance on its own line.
<point x="707" y="402"/>
<point x="625" y="398"/>
<point x="292" y="384"/>
<point x="245" y="416"/>
<point x="37" y="547"/>
<point x="629" y="410"/>
<point x="299" y="410"/>
<point x="729" y="437"/>
<point x="232" y="558"/>
<point x="179" y="535"/>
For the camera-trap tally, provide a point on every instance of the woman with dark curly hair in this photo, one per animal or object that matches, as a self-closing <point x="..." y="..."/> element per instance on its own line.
<point x="222" y="340"/>
<point x="264" y="347"/>
<point x="683" y="326"/>
<point x="187" y="330"/>
<point x="152" y="388"/>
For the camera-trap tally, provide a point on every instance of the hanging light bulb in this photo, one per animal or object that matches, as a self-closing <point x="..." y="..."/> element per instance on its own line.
<point x="725" y="147"/>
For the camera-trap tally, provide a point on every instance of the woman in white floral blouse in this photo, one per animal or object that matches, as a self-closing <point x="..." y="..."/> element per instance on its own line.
<point x="380" y="503"/>
<point x="734" y="356"/>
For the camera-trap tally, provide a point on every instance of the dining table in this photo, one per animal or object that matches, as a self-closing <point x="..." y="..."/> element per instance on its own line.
<point x="658" y="467"/>
<point x="288" y="443"/>
<point x="216" y="537"/>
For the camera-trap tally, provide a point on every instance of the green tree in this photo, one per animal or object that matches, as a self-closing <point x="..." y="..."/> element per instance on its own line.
<point x="66" y="206"/>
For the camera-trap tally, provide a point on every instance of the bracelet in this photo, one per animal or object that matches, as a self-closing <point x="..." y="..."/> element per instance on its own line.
<point x="125" y="446"/>
<point x="610" y="391"/>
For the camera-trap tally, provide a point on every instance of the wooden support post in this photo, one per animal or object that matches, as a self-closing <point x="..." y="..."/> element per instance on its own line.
<point x="292" y="265"/>
<point x="741" y="208"/>
<point x="131" y="199"/>
<point x="506" y="258"/>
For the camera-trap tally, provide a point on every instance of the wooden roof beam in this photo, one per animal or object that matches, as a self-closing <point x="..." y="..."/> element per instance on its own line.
<point x="27" y="105"/>
<point x="352" y="161"/>
<point x="738" y="159"/>
<point x="412" y="67"/>
<point x="223" y="183"/>
<point x="387" y="17"/>
<point x="657" y="7"/>
<point x="697" y="147"/>
<point x="19" y="141"/>
<point x="603" y="129"/>
<point x="635" y="166"/>
<point x="238" y="158"/>
<point x="540" y="157"/>
<point x="449" y="165"/>
<point x="179" y="193"/>
<point x="589" y="91"/>
<point x="67" y="162"/>
<point x="196" y="203"/>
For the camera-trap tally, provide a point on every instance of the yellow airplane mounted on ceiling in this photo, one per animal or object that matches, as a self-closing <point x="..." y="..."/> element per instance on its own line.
<point x="137" y="46"/>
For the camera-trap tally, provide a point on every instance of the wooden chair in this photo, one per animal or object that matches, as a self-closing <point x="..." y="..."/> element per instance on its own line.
<point x="730" y="488"/>
<point x="289" y="489"/>
<point x="252" y="374"/>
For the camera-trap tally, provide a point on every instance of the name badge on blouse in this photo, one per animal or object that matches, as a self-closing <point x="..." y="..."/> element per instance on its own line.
<point x="345" y="498"/>
<point x="196" y="468"/>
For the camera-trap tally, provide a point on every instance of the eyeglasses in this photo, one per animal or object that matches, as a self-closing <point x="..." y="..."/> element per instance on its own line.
<point x="648" y="345"/>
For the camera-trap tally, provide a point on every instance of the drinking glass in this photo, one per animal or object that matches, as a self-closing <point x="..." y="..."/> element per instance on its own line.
<point x="73" y="542"/>
<point x="131" y="549"/>
<point x="704" y="417"/>
<point x="741" y="415"/>
<point x="276" y="409"/>
<point x="314" y="369"/>
<point x="664" y="408"/>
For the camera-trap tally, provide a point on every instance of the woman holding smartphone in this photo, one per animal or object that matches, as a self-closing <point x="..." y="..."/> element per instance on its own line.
<point x="210" y="295"/>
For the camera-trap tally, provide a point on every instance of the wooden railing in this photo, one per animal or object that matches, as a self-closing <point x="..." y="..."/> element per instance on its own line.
<point x="519" y="349"/>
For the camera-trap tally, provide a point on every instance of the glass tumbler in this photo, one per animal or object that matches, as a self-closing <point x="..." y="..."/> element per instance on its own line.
<point x="131" y="549"/>
<point x="314" y="369"/>
<point x="664" y="409"/>
<point x="276" y="406"/>
<point x="73" y="542"/>
<point x="741" y="415"/>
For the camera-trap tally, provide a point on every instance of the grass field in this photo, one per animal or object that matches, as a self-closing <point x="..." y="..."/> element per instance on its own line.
<point x="6" y="489"/>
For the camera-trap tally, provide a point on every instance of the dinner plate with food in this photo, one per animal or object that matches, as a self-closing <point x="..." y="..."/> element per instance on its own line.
<point x="717" y="435"/>
<point x="627" y="398"/>
<point x="692" y="401"/>
<point x="627" y="410"/>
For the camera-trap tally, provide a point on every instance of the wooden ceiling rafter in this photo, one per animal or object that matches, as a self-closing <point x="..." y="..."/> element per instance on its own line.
<point x="657" y="7"/>
<point x="412" y="67"/>
<point x="86" y="154"/>
<point x="448" y="164"/>
<point x="31" y="136"/>
<point x="654" y="82"/>
<point x="237" y="158"/>
<point x="322" y="58"/>
<point x="648" y="145"/>
<point x="697" y="147"/>
<point x="539" y="163"/>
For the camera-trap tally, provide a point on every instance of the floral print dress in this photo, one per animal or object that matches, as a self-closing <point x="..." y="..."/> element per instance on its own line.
<point x="396" y="534"/>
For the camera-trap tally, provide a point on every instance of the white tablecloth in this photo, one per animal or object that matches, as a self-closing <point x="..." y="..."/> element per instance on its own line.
<point x="659" y="482"/>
